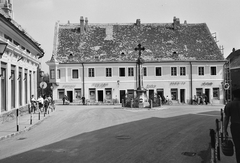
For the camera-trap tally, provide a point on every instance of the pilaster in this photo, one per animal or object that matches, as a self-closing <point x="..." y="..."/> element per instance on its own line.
<point x="17" y="87"/>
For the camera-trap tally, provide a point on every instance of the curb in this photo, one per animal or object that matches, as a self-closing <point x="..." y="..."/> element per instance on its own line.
<point x="24" y="130"/>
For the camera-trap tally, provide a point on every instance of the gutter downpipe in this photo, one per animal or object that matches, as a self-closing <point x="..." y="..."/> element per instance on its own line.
<point x="83" y="81"/>
<point x="191" y="82"/>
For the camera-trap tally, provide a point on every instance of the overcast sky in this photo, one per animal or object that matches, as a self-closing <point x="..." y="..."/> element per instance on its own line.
<point x="38" y="17"/>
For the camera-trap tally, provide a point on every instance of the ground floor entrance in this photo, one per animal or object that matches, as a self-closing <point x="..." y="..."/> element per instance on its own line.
<point x="70" y="96"/>
<point x="100" y="95"/>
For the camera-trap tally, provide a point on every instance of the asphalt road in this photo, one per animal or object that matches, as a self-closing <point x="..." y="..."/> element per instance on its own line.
<point x="103" y="134"/>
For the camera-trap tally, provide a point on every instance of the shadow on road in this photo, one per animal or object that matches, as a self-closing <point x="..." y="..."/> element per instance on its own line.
<point x="150" y="140"/>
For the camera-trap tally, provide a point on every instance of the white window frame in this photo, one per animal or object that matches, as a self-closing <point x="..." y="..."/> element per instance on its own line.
<point x="172" y="71"/>
<point x="58" y="73"/>
<point x="77" y="74"/>
<point x="145" y="68"/>
<point x="199" y="71"/>
<point x="132" y="73"/>
<point x="107" y="73"/>
<point x="52" y="73"/>
<point x="156" y="70"/>
<point x="124" y="72"/>
<point x="91" y="74"/>
<point x="211" y="70"/>
<point x="185" y="70"/>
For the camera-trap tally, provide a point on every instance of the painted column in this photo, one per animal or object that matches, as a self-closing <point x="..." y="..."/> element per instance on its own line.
<point x="28" y="88"/>
<point x="8" y="87"/>
<point x="17" y="87"/>
<point x="23" y="86"/>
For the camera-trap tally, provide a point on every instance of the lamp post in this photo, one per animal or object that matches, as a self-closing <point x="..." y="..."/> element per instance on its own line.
<point x="3" y="47"/>
<point x="41" y="76"/>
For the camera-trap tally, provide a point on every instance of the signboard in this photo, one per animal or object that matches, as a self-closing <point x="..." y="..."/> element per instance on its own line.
<point x="99" y="85"/>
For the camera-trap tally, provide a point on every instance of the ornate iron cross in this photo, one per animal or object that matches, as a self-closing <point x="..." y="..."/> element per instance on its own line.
<point x="139" y="49"/>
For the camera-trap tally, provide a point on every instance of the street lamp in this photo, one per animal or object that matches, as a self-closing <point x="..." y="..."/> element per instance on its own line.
<point x="3" y="47"/>
<point x="41" y="73"/>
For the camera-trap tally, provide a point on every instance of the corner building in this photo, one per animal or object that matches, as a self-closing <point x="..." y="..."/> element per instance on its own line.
<point x="19" y="63"/>
<point x="98" y="61"/>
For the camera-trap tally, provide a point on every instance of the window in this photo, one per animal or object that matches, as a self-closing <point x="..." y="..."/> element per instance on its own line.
<point x="173" y="71"/>
<point x="199" y="91"/>
<point x="213" y="71"/>
<point x="60" y="93"/>
<point x="77" y="93"/>
<point x="200" y="70"/>
<point x="182" y="71"/>
<point x="108" y="94"/>
<point x="122" y="72"/>
<point x="108" y="72"/>
<point x="144" y="71"/>
<point x="74" y="74"/>
<point x="58" y="74"/>
<point x="158" y="71"/>
<point x="52" y="74"/>
<point x="91" y="72"/>
<point x="216" y="93"/>
<point x="92" y="94"/>
<point x="130" y="71"/>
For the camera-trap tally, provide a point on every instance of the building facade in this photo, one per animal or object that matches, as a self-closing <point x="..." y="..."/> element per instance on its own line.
<point x="232" y="73"/>
<point x="98" y="61"/>
<point x="19" y="63"/>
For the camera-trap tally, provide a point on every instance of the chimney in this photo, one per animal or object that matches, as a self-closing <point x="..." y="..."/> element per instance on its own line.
<point x="81" y="24"/>
<point x="176" y="22"/>
<point x="138" y="22"/>
<point x="86" y="24"/>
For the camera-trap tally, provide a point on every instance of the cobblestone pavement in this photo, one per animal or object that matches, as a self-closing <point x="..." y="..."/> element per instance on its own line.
<point x="110" y="134"/>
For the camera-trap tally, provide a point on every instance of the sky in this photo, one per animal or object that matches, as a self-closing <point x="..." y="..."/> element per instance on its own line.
<point x="38" y="17"/>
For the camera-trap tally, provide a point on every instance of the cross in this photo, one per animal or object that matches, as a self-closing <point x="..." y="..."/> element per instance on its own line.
<point x="139" y="49"/>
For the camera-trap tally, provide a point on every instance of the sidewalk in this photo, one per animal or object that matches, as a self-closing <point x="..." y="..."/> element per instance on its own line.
<point x="9" y="128"/>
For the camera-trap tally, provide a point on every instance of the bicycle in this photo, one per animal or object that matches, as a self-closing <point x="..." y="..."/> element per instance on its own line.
<point x="168" y="102"/>
<point x="217" y="140"/>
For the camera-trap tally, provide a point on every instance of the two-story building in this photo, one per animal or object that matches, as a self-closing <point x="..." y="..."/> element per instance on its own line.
<point x="19" y="63"/>
<point x="98" y="61"/>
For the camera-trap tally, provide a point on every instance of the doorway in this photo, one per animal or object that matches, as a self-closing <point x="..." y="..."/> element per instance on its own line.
<point x="151" y="94"/>
<point x="182" y="95"/>
<point x="122" y="95"/>
<point x="100" y="95"/>
<point x="207" y="93"/>
<point x="160" y="93"/>
<point x="174" y="94"/>
<point x="70" y="96"/>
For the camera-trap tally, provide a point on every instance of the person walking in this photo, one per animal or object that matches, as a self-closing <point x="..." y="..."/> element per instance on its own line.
<point x="33" y="102"/>
<point x="45" y="103"/>
<point x="64" y="99"/>
<point x="40" y="103"/>
<point x="232" y="113"/>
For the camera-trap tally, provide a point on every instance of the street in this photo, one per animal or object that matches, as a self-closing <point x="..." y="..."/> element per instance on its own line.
<point x="109" y="134"/>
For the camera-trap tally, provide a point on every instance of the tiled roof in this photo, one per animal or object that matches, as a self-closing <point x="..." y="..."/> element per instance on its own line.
<point x="18" y="27"/>
<point x="107" y="42"/>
